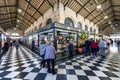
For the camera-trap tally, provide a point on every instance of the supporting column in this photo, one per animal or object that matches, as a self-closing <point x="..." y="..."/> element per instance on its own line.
<point x="0" y="43"/>
<point x="38" y="40"/>
<point x="55" y="38"/>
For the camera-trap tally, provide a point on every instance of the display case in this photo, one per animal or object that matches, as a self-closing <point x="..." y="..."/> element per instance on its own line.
<point x="58" y="34"/>
<point x="47" y="35"/>
<point x="35" y="37"/>
<point x="64" y="36"/>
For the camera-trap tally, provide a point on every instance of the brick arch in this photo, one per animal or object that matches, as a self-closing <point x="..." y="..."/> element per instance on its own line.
<point x="91" y="29"/>
<point x="49" y="21"/>
<point x="79" y="25"/>
<point x="73" y="19"/>
<point x="70" y="19"/>
<point x="86" y="27"/>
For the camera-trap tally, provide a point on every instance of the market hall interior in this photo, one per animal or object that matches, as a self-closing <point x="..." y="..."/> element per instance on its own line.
<point x="59" y="39"/>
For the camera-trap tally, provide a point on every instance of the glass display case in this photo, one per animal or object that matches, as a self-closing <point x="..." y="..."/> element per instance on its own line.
<point x="59" y="34"/>
<point x="63" y="38"/>
<point x="35" y="37"/>
<point x="46" y="35"/>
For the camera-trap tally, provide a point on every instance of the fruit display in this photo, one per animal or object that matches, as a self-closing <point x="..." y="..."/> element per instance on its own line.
<point x="82" y="36"/>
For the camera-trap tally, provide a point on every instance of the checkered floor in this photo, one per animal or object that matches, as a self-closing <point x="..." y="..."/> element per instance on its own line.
<point x="24" y="65"/>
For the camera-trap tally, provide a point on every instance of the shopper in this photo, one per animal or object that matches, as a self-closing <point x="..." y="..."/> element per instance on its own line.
<point x="97" y="47"/>
<point x="70" y="50"/>
<point x="33" y="44"/>
<point x="102" y="48"/>
<point x="118" y="44"/>
<point x="5" y="48"/>
<point x="11" y="43"/>
<point x="87" y="47"/>
<point x="17" y="45"/>
<point x="94" y="47"/>
<point x="50" y="57"/>
<point x="111" y="42"/>
<point x="42" y="53"/>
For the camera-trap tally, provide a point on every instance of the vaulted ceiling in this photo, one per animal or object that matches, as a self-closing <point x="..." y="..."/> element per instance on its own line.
<point x="22" y="13"/>
<point x="11" y="15"/>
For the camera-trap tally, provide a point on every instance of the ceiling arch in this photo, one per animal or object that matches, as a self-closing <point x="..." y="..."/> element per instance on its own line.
<point x="23" y="13"/>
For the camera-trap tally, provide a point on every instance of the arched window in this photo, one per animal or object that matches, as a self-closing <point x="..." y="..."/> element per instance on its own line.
<point x="79" y="26"/>
<point x="95" y="30"/>
<point x="69" y="22"/>
<point x="86" y="28"/>
<point x="49" y="21"/>
<point x="90" y="29"/>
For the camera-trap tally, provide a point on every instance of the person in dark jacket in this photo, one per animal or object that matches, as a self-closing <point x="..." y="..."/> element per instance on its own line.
<point x="87" y="47"/>
<point x="16" y="45"/>
<point x="111" y="42"/>
<point x="5" y="47"/>
<point x="70" y="50"/>
<point x="33" y="44"/>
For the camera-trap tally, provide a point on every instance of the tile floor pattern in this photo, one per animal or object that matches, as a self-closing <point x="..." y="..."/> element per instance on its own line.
<point x="24" y="65"/>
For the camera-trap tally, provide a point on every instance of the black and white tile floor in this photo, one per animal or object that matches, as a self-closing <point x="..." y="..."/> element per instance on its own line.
<point x="24" y="65"/>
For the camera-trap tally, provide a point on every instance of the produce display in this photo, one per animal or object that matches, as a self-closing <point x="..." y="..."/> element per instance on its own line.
<point x="82" y="36"/>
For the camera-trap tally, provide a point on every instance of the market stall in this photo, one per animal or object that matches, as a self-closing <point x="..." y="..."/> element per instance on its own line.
<point x="82" y="36"/>
<point x="58" y="34"/>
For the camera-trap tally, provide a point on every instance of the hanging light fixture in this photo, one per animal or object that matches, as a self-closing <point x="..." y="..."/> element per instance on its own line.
<point x="16" y="25"/>
<point x="99" y="6"/>
<point x="111" y="26"/>
<point x="105" y="17"/>
<point x="18" y="20"/>
<point x="19" y="10"/>
<point x="15" y="28"/>
<point x="68" y="27"/>
<point x="109" y="22"/>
